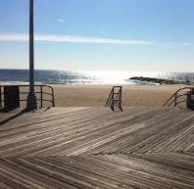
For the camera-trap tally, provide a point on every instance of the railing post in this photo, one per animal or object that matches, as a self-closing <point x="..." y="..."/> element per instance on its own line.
<point x="41" y="96"/>
<point x="175" y="100"/>
<point x="120" y="99"/>
<point x="0" y="98"/>
<point x="53" y="98"/>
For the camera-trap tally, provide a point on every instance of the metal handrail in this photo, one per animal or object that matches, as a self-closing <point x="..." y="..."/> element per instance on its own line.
<point x="113" y="101"/>
<point x="109" y="98"/>
<point x="40" y="91"/>
<point x="174" y="98"/>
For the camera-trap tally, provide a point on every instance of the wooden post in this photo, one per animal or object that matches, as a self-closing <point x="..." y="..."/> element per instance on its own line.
<point x="120" y="100"/>
<point x="175" y="100"/>
<point x="41" y="96"/>
<point x="0" y="98"/>
<point x="53" y="98"/>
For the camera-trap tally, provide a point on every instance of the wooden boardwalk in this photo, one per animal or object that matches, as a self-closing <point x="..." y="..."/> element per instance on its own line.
<point x="97" y="148"/>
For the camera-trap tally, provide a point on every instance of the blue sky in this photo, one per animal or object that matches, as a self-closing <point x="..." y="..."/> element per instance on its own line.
<point x="130" y="35"/>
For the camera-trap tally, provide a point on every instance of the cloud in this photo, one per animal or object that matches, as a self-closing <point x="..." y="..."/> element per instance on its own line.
<point x="72" y="39"/>
<point x="61" y="20"/>
<point x="14" y="37"/>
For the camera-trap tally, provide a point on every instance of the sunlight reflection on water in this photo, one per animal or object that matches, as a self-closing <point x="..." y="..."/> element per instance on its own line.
<point x="87" y="77"/>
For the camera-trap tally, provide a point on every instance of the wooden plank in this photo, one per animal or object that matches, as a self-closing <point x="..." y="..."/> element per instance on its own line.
<point x="96" y="148"/>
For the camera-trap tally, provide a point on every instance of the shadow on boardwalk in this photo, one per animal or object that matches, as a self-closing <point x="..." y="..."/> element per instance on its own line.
<point x="12" y="117"/>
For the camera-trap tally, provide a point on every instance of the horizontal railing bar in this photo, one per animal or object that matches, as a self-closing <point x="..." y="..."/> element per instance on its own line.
<point x="47" y="100"/>
<point x="181" y="95"/>
<point x="26" y="99"/>
<point x="44" y="93"/>
<point x="169" y="100"/>
<point x="28" y="92"/>
<point x="181" y="101"/>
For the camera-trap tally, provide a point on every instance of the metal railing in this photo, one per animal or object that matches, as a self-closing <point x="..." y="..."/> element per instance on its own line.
<point x="115" y="98"/>
<point x="44" y="93"/>
<point x="179" y="97"/>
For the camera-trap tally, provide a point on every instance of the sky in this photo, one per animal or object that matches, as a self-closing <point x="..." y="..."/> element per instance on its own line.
<point x="120" y="35"/>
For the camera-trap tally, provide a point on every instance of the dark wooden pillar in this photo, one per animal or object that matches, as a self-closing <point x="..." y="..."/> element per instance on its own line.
<point x="31" y="102"/>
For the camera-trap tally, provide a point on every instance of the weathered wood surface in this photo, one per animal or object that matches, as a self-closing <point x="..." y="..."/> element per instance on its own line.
<point x="97" y="148"/>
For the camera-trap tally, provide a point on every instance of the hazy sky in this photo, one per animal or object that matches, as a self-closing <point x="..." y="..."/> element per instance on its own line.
<point x="138" y="35"/>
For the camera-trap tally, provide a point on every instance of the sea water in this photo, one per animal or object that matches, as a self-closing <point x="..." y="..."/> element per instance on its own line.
<point x="13" y="76"/>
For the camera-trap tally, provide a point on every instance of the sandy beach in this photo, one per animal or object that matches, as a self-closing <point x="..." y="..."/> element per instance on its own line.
<point x="90" y="95"/>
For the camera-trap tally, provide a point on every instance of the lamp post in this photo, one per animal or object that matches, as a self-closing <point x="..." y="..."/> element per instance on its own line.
<point x="31" y="101"/>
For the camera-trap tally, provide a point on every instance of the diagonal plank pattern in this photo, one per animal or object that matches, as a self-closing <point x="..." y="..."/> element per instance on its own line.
<point x="95" y="148"/>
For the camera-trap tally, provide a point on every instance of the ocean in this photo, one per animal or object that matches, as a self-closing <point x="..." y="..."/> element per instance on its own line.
<point x="13" y="76"/>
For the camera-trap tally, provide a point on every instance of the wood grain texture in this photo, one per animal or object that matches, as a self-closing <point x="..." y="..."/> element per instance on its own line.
<point x="141" y="147"/>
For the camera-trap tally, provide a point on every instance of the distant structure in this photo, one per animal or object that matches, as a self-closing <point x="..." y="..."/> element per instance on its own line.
<point x="31" y="101"/>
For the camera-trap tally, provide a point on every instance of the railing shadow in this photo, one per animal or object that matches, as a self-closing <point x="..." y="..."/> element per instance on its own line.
<point x="11" y="117"/>
<point x="18" y="114"/>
